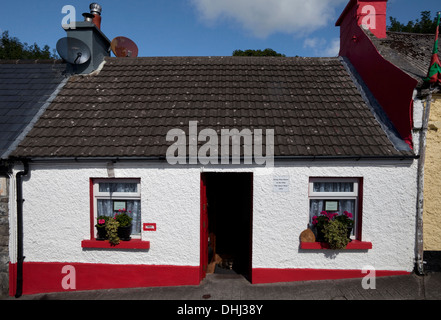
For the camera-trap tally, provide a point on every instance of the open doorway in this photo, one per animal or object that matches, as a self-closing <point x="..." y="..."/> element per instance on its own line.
<point x="229" y="216"/>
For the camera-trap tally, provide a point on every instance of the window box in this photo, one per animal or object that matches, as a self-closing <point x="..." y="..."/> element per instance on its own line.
<point x="132" y="244"/>
<point x="353" y="245"/>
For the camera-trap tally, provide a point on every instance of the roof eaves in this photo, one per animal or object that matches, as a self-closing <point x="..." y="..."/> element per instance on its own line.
<point x="404" y="156"/>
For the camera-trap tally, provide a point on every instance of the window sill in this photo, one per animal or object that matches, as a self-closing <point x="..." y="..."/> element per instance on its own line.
<point x="353" y="245"/>
<point x="132" y="244"/>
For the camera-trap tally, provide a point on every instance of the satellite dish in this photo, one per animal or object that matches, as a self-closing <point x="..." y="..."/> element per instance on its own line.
<point x="123" y="47"/>
<point x="73" y="50"/>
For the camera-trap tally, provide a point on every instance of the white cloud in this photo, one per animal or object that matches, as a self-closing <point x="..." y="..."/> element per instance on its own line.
<point x="321" y="47"/>
<point x="333" y="48"/>
<point x="265" y="17"/>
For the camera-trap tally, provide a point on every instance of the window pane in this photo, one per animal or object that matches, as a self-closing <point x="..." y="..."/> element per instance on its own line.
<point x="118" y="187"/>
<point x="105" y="208"/>
<point x="134" y="208"/>
<point x="333" y="187"/>
<point x="317" y="206"/>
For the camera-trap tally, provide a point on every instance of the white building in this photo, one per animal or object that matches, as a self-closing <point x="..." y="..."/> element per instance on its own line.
<point x="102" y="145"/>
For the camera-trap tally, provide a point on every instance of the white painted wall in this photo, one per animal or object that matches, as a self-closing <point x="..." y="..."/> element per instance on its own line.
<point x="57" y="215"/>
<point x="389" y="204"/>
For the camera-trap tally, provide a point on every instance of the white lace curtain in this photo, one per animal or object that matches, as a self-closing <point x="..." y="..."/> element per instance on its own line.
<point x="333" y="187"/>
<point x="105" y="208"/>
<point x="118" y="187"/>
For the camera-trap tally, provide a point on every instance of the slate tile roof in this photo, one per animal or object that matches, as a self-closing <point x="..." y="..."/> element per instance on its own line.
<point x="128" y="108"/>
<point x="411" y="52"/>
<point x="25" y="86"/>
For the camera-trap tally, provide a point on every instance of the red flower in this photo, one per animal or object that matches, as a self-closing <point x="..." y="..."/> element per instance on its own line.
<point x="348" y="214"/>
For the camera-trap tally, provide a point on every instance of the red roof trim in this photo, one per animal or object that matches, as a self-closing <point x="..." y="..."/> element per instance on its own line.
<point x="345" y="12"/>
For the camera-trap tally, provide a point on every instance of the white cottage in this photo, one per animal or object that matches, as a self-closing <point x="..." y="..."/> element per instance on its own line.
<point x="156" y="137"/>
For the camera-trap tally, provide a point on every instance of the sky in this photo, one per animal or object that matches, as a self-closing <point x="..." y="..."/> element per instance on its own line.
<point x="202" y="27"/>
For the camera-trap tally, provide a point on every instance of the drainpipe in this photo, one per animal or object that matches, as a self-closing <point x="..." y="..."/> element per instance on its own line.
<point x="20" y="200"/>
<point x="420" y="185"/>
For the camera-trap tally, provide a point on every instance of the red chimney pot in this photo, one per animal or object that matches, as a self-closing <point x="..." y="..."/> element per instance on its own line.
<point x="95" y="10"/>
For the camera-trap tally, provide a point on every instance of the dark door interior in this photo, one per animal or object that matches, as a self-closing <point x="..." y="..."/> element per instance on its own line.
<point x="229" y="198"/>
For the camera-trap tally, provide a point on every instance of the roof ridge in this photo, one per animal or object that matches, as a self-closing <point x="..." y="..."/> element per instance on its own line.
<point x="412" y="33"/>
<point x="31" y="61"/>
<point x="223" y="57"/>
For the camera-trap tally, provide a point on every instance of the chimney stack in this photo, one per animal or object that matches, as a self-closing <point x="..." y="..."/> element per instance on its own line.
<point x="89" y="32"/>
<point x="369" y="14"/>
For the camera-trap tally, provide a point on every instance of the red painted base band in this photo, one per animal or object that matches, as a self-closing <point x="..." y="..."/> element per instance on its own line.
<point x="41" y="277"/>
<point x="261" y="275"/>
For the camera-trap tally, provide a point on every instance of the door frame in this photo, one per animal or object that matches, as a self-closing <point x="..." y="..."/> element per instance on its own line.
<point x="203" y="230"/>
<point x="204" y="224"/>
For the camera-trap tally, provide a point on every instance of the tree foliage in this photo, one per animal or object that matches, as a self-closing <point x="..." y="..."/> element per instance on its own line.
<point x="12" y="49"/>
<point x="423" y="25"/>
<point x="257" y="53"/>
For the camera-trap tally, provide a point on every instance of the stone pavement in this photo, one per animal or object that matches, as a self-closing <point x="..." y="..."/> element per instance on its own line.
<point x="234" y="287"/>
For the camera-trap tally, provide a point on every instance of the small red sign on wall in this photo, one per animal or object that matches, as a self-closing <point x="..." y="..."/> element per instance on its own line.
<point x="149" y="227"/>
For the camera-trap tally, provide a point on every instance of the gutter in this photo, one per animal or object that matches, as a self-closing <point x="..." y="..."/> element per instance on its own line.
<point x="276" y="158"/>
<point x="20" y="200"/>
<point x="353" y="158"/>
<point x="419" y="259"/>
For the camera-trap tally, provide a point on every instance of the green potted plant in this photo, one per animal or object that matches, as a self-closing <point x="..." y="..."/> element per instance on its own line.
<point x="101" y="228"/>
<point x="112" y="231"/>
<point x="333" y="228"/>
<point x="319" y="223"/>
<point x="125" y="224"/>
<point x="346" y="220"/>
<point x="335" y="233"/>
